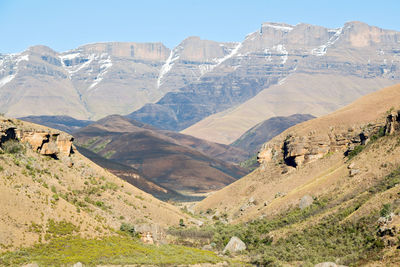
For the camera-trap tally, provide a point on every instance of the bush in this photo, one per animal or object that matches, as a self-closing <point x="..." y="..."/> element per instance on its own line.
<point x="13" y="147"/>
<point x="355" y="151"/>
<point x="386" y="210"/>
<point x="128" y="228"/>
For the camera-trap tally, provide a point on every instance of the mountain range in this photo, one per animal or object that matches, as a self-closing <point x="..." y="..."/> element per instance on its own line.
<point x="212" y="90"/>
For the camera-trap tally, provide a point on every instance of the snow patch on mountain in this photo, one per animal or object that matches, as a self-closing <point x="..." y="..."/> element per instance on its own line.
<point x="173" y="56"/>
<point x="321" y="50"/>
<point x="6" y="80"/>
<point x="234" y="51"/>
<point x="281" y="49"/>
<point x="74" y="69"/>
<point x="106" y="64"/>
<point x="269" y="54"/>
<point x="279" y="27"/>
<point x="69" y="56"/>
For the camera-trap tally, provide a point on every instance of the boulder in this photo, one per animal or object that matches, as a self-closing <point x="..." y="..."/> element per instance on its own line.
<point x="306" y="201"/>
<point x="235" y="245"/>
<point x="354" y="172"/>
<point x="78" y="264"/>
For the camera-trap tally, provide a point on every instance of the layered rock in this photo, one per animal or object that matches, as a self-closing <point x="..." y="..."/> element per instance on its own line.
<point x="296" y="150"/>
<point x="44" y="141"/>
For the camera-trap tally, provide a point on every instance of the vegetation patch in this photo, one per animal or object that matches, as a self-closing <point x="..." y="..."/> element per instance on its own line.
<point x="13" y="147"/>
<point x="332" y="238"/>
<point x="251" y="164"/>
<point x="110" y="250"/>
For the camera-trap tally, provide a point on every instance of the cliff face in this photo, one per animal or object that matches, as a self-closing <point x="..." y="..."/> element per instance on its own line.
<point x="198" y="78"/>
<point x="296" y="150"/>
<point x="290" y="69"/>
<point x="45" y="141"/>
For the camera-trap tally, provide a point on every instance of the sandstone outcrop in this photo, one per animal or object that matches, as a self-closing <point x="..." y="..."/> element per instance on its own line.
<point x="43" y="140"/>
<point x="293" y="150"/>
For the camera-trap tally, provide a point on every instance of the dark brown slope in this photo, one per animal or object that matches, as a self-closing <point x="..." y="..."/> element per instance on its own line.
<point x="63" y="123"/>
<point x="135" y="178"/>
<point x="266" y="130"/>
<point x="160" y="158"/>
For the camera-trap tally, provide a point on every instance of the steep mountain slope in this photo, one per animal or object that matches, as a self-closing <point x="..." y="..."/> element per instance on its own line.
<point x="266" y="130"/>
<point x="164" y="160"/>
<point x="327" y="190"/>
<point x="315" y="94"/>
<point x="134" y="177"/>
<point x="199" y="78"/>
<point x="316" y="148"/>
<point x="49" y="190"/>
<point x="314" y="70"/>
<point x="62" y="123"/>
<point x="100" y="79"/>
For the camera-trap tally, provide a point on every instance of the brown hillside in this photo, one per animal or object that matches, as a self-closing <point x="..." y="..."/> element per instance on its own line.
<point x="40" y="183"/>
<point x="317" y="94"/>
<point x="166" y="159"/>
<point x="317" y="149"/>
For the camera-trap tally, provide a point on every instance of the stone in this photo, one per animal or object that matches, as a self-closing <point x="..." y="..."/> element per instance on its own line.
<point x="31" y="265"/>
<point x="78" y="264"/>
<point x="147" y="238"/>
<point x="354" y="172"/>
<point x="235" y="245"/>
<point x="151" y="233"/>
<point x="351" y="166"/>
<point x="306" y="201"/>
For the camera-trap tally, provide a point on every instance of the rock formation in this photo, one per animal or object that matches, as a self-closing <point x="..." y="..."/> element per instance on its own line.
<point x="44" y="141"/>
<point x="296" y="150"/>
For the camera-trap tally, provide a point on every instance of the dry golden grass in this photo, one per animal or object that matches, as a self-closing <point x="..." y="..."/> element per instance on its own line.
<point x="35" y="189"/>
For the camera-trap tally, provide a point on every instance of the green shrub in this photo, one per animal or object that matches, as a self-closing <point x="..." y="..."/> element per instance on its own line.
<point x="128" y="228"/>
<point x="60" y="228"/>
<point x="114" y="250"/>
<point x="355" y="151"/>
<point x="13" y="147"/>
<point x="386" y="210"/>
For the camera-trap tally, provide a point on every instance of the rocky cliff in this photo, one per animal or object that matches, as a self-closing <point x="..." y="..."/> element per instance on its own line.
<point x="45" y="141"/>
<point x="199" y="77"/>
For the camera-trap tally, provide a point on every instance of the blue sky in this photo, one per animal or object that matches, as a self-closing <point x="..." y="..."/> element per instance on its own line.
<point x="64" y="25"/>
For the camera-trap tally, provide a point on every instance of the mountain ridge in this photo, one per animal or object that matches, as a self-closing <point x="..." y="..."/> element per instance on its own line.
<point x="212" y="76"/>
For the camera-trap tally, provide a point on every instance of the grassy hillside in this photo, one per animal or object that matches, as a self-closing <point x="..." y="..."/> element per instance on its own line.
<point x="58" y="210"/>
<point x="347" y="169"/>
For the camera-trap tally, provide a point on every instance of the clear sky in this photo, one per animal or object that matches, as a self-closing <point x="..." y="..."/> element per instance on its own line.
<point x="64" y="25"/>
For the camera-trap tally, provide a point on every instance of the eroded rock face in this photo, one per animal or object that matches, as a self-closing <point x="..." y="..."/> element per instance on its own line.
<point x="44" y="141"/>
<point x="392" y="122"/>
<point x="296" y="151"/>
